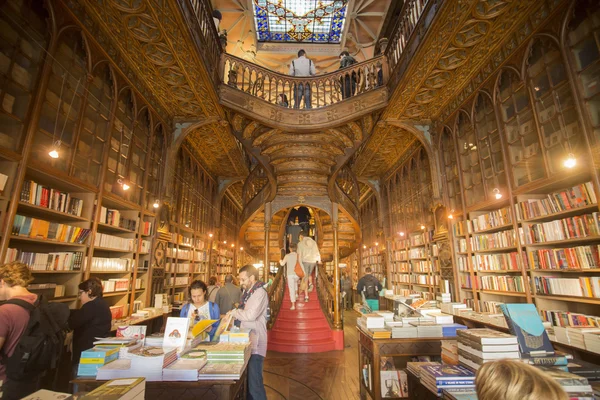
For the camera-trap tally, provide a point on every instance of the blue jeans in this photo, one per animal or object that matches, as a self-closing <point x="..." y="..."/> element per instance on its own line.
<point x="256" y="387"/>
<point x="303" y="89"/>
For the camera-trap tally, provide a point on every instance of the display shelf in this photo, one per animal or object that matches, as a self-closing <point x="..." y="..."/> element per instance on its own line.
<point x="502" y="293"/>
<point x="39" y="211"/>
<point x="45" y="241"/>
<point x="575" y="299"/>
<point x="112" y="228"/>
<point x="562" y="214"/>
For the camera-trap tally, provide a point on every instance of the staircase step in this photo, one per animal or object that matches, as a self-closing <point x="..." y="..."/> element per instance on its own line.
<point x="302" y="305"/>
<point x="316" y="346"/>
<point x="300" y="314"/>
<point x="287" y="322"/>
<point x="301" y="336"/>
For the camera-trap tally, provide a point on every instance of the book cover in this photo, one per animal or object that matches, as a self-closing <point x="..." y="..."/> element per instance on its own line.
<point x="176" y="332"/>
<point x="394" y="384"/>
<point x="44" y="394"/>
<point x="549" y="360"/>
<point x="525" y="323"/>
<point x="448" y="372"/>
<point x="117" y="389"/>
<point x="487" y="355"/>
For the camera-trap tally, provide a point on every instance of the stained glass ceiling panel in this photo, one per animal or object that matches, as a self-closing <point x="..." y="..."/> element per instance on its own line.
<point x="300" y="21"/>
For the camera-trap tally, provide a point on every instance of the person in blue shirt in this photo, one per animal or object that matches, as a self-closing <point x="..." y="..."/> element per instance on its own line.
<point x="199" y="308"/>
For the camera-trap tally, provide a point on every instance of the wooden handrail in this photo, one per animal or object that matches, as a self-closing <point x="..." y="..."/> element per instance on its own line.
<point x="276" y="292"/>
<point x="326" y="295"/>
<point x="325" y="89"/>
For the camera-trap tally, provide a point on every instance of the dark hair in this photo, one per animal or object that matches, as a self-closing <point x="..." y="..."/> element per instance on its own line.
<point x="368" y="270"/>
<point x="303" y="233"/>
<point x="93" y="286"/>
<point x="272" y="273"/>
<point x="301" y="53"/>
<point x="217" y="14"/>
<point x="250" y="270"/>
<point x="197" y="285"/>
<point x="345" y="54"/>
<point x="293" y="247"/>
<point x="228" y="278"/>
<point x="212" y="280"/>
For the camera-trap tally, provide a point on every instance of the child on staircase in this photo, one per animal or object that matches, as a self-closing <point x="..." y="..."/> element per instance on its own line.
<point x="289" y="261"/>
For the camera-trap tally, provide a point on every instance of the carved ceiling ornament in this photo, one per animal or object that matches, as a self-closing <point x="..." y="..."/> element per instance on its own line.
<point x="151" y="36"/>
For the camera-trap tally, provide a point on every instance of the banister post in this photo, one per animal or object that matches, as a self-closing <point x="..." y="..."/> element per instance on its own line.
<point x="337" y="316"/>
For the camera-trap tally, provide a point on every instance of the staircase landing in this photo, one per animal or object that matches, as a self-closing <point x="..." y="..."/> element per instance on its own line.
<point x="303" y="330"/>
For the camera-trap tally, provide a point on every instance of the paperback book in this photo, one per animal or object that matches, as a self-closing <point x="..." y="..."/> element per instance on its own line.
<point x="525" y="323"/>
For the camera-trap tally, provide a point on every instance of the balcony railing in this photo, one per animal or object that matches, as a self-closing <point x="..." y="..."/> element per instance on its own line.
<point x="324" y="90"/>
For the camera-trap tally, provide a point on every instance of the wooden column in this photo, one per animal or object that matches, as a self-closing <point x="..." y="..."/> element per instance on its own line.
<point x="267" y="232"/>
<point x="337" y="316"/>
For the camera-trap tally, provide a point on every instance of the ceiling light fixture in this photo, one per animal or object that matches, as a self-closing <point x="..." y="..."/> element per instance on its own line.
<point x="422" y="227"/>
<point x="401" y="233"/>
<point x="54" y="152"/>
<point x="497" y="193"/>
<point x="156" y="204"/>
<point x="570" y="161"/>
<point x="210" y="235"/>
<point x="364" y="246"/>
<point x="451" y="214"/>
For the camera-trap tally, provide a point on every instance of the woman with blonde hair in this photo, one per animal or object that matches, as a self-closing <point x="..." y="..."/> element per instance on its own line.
<point x="514" y="380"/>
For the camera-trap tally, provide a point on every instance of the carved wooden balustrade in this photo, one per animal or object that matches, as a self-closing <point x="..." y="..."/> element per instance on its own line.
<point x="326" y="295"/>
<point x="198" y="14"/>
<point x="255" y="182"/>
<point x="325" y="89"/>
<point x="276" y="292"/>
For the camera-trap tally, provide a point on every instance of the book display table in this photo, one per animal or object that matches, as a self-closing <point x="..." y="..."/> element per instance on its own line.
<point x="204" y="389"/>
<point x="417" y="390"/>
<point x="370" y="352"/>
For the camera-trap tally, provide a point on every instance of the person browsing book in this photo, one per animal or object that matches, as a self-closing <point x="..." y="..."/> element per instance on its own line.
<point x="252" y="314"/>
<point x="199" y="308"/>
<point x="228" y="296"/>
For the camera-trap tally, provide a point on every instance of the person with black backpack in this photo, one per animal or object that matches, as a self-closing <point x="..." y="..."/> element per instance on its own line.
<point x="32" y="333"/>
<point x="348" y="81"/>
<point x="370" y="286"/>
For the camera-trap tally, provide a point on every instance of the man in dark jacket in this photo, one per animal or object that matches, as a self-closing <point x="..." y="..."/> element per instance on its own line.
<point x="348" y="81"/>
<point x="370" y="286"/>
<point x="228" y="296"/>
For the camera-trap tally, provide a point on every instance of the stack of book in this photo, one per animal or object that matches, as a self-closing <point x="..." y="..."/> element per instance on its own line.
<point x="222" y="352"/>
<point x="576" y="386"/>
<point x="477" y="346"/>
<point x="95" y="358"/>
<point x="441" y="318"/>
<point x="450" y="352"/>
<point x="123" y="389"/>
<point x="415" y="367"/>
<point x="150" y="361"/>
<point x="584" y="369"/>
<point x="577" y="335"/>
<point x="427" y="329"/>
<point x="221" y="371"/>
<point x="592" y="341"/>
<point x="452" y="378"/>
<point x="371" y="321"/>
<point x="124" y="344"/>
<point x="381" y="333"/>
<point x="404" y="331"/>
<point x="186" y="368"/>
<point x="449" y="330"/>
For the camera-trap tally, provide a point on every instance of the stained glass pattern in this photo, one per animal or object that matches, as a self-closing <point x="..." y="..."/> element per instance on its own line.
<point x="305" y="21"/>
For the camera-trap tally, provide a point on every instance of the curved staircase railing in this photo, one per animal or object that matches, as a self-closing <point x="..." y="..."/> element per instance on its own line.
<point x="326" y="295"/>
<point x="276" y="292"/>
<point x="325" y="89"/>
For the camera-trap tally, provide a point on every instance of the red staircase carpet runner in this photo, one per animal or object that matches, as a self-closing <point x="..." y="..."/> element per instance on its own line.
<point x="303" y="330"/>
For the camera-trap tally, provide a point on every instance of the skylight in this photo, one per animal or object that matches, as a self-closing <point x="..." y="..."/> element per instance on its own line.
<point x="300" y="21"/>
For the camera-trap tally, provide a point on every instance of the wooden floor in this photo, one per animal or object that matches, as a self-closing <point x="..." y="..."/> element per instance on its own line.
<point x="328" y="376"/>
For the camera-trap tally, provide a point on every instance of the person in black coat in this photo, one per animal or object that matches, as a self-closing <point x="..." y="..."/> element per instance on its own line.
<point x="92" y="320"/>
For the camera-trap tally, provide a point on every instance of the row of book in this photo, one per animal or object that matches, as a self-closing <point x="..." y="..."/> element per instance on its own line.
<point x="419" y="239"/>
<point x="115" y="285"/>
<point x="201" y="255"/>
<point x="225" y="253"/>
<point x="503" y="283"/>
<point x="403" y="278"/>
<point x="113" y="217"/>
<point x="567" y="318"/>
<point x="421" y="266"/>
<point x="497" y="262"/>
<point x="182" y="254"/>
<point x="497" y="240"/>
<point x="573" y="258"/>
<point x="112" y="264"/>
<point x="578" y="287"/>
<point x="465" y="282"/>
<point x="178" y="280"/>
<point x="114" y="242"/>
<point x="490" y="220"/>
<point x="178" y="267"/>
<point x="53" y="289"/>
<point x="41" y="229"/>
<point x="146" y="228"/>
<point x="419" y="252"/>
<point x="47" y="197"/>
<point x="577" y="196"/>
<point x="580" y="226"/>
<point x="224" y="260"/>
<point x="374" y="259"/>
<point x="55" y="261"/>
<point x="424" y="279"/>
<point x="399" y="255"/>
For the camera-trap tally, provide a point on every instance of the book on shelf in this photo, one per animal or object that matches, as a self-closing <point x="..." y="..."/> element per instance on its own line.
<point x="574" y="258"/>
<point x="114" y="242"/>
<point x="3" y="180"/>
<point x="46" y="197"/>
<point x="53" y="231"/>
<point x="114" y="218"/>
<point x="525" y="323"/>
<point x="568" y="318"/>
<point x="580" y="226"/>
<point x="577" y="287"/>
<point x="577" y="196"/>
<point x="103" y="264"/>
<point x="494" y="219"/>
<point x="55" y="261"/>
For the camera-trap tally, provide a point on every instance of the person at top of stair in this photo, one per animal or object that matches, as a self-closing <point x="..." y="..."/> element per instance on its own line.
<point x="289" y="261"/>
<point x="309" y="255"/>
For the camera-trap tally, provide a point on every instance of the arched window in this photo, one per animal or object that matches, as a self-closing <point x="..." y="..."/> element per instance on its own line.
<point x="21" y="55"/>
<point x="62" y="102"/>
<point x="120" y="143"/>
<point x="94" y="132"/>
<point x="138" y="154"/>
<point x="469" y="160"/>
<point x="584" y="41"/>
<point x="450" y="167"/>
<point x="156" y="168"/>
<point x="489" y="146"/>
<point x="554" y="105"/>
<point x="520" y="130"/>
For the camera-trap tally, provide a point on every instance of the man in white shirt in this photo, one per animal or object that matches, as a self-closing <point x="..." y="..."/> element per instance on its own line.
<point x="302" y="66"/>
<point x="309" y="256"/>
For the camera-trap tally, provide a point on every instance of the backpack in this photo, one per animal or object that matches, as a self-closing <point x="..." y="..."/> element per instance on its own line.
<point x="40" y="347"/>
<point x="371" y="292"/>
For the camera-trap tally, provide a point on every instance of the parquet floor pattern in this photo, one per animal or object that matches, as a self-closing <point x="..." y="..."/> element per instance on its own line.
<point x="320" y="376"/>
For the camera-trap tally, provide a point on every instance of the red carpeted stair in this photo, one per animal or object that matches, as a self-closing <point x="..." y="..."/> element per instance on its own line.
<point x="303" y="330"/>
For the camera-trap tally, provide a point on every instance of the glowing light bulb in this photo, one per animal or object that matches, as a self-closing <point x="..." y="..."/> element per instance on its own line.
<point x="53" y="153"/>
<point x="156" y="204"/>
<point x="224" y="241"/>
<point x="422" y="226"/>
<point x="241" y="249"/>
<point x="364" y="246"/>
<point x="210" y="235"/>
<point x="123" y="184"/>
<point x="497" y="194"/>
<point x="401" y="233"/>
<point x="376" y="243"/>
<point x="570" y="161"/>
<point x="232" y="245"/>
<point x="451" y="214"/>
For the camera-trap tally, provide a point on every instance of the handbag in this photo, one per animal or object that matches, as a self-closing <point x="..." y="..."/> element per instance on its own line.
<point x="298" y="269"/>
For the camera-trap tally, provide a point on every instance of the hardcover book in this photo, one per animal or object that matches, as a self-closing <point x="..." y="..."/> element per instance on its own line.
<point x="487" y="336"/>
<point x="525" y="323"/>
<point x="448" y="372"/>
<point x="488" y="348"/>
<point x="118" y="389"/>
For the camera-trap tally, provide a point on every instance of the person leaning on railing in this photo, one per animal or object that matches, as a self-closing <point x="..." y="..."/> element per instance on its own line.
<point x="302" y="66"/>
<point x="348" y="81"/>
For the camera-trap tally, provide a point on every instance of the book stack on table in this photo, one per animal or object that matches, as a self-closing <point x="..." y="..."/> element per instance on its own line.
<point x="450" y="352"/>
<point x="226" y="353"/>
<point x="150" y="361"/>
<point x="477" y="346"/>
<point x="186" y="367"/>
<point x="404" y="331"/>
<point x="592" y="341"/>
<point x="415" y="366"/>
<point x="585" y="369"/>
<point x="576" y="386"/>
<point x="452" y="378"/>
<point x="92" y="359"/>
<point x="427" y="329"/>
<point x="577" y="335"/>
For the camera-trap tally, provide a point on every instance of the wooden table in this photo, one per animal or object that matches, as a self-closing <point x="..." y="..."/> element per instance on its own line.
<point x="168" y="390"/>
<point x="371" y="350"/>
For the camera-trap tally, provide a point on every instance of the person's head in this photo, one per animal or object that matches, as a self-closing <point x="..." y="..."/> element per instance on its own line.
<point x="212" y="281"/>
<point x="344" y="54"/>
<point x="90" y="289"/>
<point x="272" y="274"/>
<point x="14" y="278"/>
<point x="228" y="278"/>
<point x="302" y="235"/>
<point x="513" y="380"/>
<point x="368" y="270"/>
<point x="217" y="14"/>
<point x="293" y="247"/>
<point x="248" y="276"/>
<point x="197" y="292"/>
<point x="301" y="53"/>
